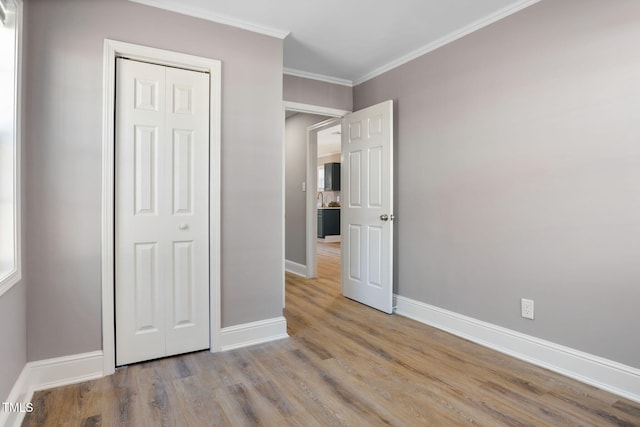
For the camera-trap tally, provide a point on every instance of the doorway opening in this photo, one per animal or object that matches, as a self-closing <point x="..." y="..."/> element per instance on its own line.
<point x="328" y="197"/>
<point x="366" y="217"/>
<point x="305" y="195"/>
<point x="323" y="203"/>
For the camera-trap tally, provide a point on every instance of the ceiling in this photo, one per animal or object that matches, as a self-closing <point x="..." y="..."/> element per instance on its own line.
<point x="329" y="141"/>
<point x="351" y="41"/>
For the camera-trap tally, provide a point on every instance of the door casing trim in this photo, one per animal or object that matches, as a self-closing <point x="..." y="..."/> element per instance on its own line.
<point x="113" y="49"/>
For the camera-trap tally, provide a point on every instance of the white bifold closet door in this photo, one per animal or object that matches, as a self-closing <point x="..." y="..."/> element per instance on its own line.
<point x="162" y="211"/>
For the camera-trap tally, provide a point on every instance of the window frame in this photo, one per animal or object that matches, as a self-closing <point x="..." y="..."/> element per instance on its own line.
<point x="11" y="277"/>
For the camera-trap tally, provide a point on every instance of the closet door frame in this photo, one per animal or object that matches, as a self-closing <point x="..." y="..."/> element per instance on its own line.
<point x="112" y="50"/>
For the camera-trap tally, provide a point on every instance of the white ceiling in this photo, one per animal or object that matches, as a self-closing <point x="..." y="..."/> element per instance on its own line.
<point x="350" y="41"/>
<point x="329" y="141"/>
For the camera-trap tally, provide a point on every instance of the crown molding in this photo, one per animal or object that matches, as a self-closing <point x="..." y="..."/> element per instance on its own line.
<point x="176" y="6"/>
<point x="449" y="38"/>
<point x="319" y="77"/>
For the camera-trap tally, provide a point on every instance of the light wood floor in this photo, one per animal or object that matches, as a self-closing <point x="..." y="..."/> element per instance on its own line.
<point x="345" y="364"/>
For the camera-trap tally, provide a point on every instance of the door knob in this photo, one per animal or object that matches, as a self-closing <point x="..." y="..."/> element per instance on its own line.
<point x="183" y="226"/>
<point x="384" y="217"/>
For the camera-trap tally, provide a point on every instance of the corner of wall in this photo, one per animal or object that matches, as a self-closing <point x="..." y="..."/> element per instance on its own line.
<point x="50" y="373"/>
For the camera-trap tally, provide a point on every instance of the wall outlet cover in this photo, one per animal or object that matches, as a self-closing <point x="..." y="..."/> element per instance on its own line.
<point x="526" y="308"/>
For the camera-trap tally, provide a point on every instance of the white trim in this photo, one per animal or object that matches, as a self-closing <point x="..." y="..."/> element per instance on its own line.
<point x="449" y="38"/>
<point x="295" y="268"/>
<point x="61" y="371"/>
<point x="283" y="205"/>
<point x="15" y="275"/>
<point x="331" y="239"/>
<point x="299" y="107"/>
<point x="50" y="373"/>
<point x="215" y="214"/>
<point x="202" y="13"/>
<point x="112" y="49"/>
<point x="20" y="393"/>
<point x="253" y="333"/>
<point x="605" y="374"/>
<point x="20" y="390"/>
<point x="315" y="76"/>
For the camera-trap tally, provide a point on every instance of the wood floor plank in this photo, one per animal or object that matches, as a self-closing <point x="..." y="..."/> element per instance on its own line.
<point x="344" y="364"/>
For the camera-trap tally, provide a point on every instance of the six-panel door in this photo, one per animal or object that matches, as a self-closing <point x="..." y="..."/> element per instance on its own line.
<point x="162" y="268"/>
<point x="367" y="210"/>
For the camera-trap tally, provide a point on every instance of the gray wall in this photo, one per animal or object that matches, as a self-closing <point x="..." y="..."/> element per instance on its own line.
<point x="13" y="324"/>
<point x="315" y="92"/>
<point x="63" y="100"/>
<point x="13" y="350"/>
<point x="295" y="173"/>
<point x="518" y="174"/>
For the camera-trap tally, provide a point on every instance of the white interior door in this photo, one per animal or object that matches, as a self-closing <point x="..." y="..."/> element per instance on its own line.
<point x="162" y="169"/>
<point x="367" y="208"/>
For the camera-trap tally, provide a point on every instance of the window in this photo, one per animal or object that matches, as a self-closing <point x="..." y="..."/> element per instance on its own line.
<point x="9" y="149"/>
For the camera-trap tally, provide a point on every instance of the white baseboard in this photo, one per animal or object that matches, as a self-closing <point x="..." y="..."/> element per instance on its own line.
<point x="65" y="370"/>
<point x="605" y="374"/>
<point x="49" y="373"/>
<point x="330" y="239"/>
<point x="253" y="333"/>
<point x="20" y="393"/>
<point x="295" y="268"/>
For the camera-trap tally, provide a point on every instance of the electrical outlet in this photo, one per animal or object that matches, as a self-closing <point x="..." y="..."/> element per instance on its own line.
<point x="526" y="308"/>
